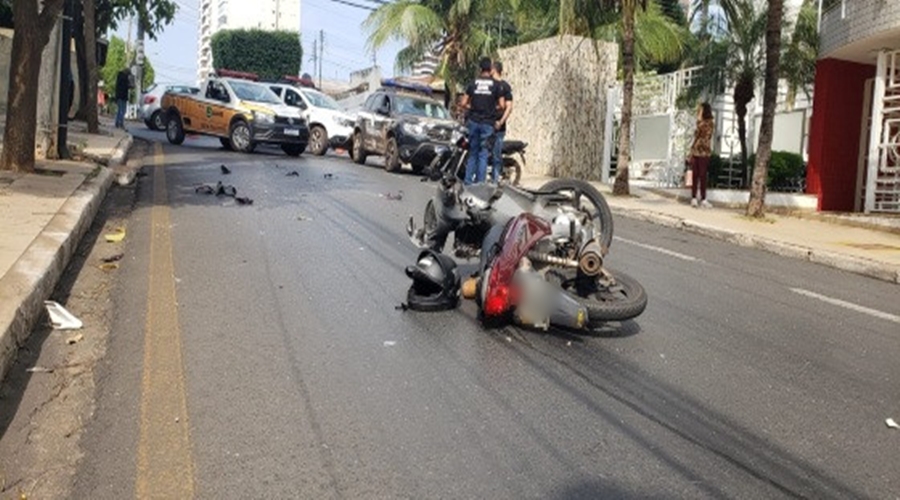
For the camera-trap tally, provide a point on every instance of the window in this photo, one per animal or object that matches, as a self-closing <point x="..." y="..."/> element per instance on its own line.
<point x="215" y="90"/>
<point x="370" y="102"/>
<point x="292" y="98"/>
<point x="277" y="90"/>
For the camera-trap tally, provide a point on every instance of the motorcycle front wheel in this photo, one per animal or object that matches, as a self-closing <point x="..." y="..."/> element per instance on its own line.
<point x="601" y="215"/>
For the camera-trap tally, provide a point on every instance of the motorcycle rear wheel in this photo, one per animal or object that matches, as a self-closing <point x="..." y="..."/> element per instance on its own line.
<point x="602" y="216"/>
<point x="626" y="300"/>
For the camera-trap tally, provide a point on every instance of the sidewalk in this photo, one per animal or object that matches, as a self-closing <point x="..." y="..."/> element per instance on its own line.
<point x="45" y="214"/>
<point x="867" y="245"/>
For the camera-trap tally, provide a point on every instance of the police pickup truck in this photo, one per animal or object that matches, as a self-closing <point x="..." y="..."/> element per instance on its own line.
<point x="239" y="111"/>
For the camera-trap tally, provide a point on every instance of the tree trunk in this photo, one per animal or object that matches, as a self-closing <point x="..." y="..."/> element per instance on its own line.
<point x="80" y="57"/>
<point x="756" y="207"/>
<point x="31" y="35"/>
<point x="743" y="94"/>
<point x="621" y="187"/>
<point x="90" y="40"/>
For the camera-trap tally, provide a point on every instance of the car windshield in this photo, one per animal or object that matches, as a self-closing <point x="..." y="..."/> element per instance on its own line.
<point x="419" y="107"/>
<point x="320" y="100"/>
<point x="249" y="91"/>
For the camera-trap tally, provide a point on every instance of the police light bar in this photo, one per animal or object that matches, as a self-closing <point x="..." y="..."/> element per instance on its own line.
<point x="227" y="73"/>
<point x="415" y="87"/>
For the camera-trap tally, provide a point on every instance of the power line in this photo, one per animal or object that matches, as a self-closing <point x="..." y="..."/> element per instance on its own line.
<point x="351" y="4"/>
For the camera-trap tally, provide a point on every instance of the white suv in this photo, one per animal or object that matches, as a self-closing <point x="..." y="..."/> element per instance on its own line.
<point x="329" y="125"/>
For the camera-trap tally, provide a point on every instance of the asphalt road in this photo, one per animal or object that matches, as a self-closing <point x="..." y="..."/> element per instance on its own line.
<point x="267" y="340"/>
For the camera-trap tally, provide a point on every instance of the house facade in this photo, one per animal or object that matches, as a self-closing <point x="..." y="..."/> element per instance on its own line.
<point x="854" y="144"/>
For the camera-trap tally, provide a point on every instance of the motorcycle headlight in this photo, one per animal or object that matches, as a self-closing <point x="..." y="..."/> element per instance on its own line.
<point x="263" y="117"/>
<point x="414" y="129"/>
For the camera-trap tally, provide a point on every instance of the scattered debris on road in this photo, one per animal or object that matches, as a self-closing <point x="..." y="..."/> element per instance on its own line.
<point x="225" y="190"/>
<point x="109" y="266"/>
<point x="303" y="218"/>
<point x="329" y="176"/>
<point x="60" y="318"/>
<point x="390" y="343"/>
<point x="113" y="258"/>
<point x="225" y="170"/>
<point x="39" y="369"/>
<point x="243" y="200"/>
<point x="116" y="236"/>
<point x="293" y="173"/>
<point x="892" y="423"/>
<point x="396" y="197"/>
<point x="74" y="340"/>
<point x="205" y="189"/>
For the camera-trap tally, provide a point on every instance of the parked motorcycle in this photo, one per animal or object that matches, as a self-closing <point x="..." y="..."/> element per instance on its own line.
<point x="455" y="155"/>
<point x="541" y="251"/>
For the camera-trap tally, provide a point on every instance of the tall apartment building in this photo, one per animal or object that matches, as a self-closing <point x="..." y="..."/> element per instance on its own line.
<point x="218" y="15"/>
<point x="854" y="143"/>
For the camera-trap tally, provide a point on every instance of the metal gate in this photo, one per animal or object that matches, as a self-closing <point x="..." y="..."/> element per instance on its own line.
<point x="882" y="191"/>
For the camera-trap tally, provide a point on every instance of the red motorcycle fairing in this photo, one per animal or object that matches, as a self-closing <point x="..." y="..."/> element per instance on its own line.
<point x="518" y="238"/>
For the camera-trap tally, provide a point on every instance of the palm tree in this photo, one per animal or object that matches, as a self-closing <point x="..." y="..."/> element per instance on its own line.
<point x="732" y="56"/>
<point x="798" y="64"/>
<point x="628" y="9"/>
<point x="756" y="207"/>
<point x="454" y="27"/>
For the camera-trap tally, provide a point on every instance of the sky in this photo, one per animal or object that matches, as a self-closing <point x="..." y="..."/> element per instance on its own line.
<point x="174" y="53"/>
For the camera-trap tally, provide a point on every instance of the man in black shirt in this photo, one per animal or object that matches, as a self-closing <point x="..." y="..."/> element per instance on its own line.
<point x="502" y="116"/>
<point x="123" y="85"/>
<point x="481" y="100"/>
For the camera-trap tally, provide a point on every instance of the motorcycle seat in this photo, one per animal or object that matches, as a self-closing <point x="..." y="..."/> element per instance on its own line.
<point x="513" y="146"/>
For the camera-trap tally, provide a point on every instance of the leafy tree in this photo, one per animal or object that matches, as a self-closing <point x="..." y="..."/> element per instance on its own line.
<point x="33" y="26"/>
<point x="798" y="64"/>
<point x="458" y="26"/>
<point x="93" y="18"/>
<point x="117" y="59"/>
<point x="269" y="54"/>
<point x="756" y="206"/>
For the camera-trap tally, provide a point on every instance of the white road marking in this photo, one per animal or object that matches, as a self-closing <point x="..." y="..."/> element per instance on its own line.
<point x="659" y="249"/>
<point x="848" y="305"/>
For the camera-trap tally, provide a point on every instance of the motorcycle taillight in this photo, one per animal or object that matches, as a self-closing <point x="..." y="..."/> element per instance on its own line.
<point x="497" y="301"/>
<point x="149" y="99"/>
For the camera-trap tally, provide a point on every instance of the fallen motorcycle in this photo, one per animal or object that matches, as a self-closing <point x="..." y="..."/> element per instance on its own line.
<point x="542" y="252"/>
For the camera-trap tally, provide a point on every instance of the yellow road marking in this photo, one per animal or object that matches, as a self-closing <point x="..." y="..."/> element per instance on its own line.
<point x="165" y="467"/>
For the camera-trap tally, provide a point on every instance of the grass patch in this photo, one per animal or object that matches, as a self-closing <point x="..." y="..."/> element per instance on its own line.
<point x="764" y="219"/>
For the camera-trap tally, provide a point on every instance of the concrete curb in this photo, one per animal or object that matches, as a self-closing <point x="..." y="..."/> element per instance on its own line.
<point x="32" y="279"/>
<point x="849" y="263"/>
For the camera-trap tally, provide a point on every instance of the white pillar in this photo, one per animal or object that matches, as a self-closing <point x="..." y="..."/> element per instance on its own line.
<point x="875" y="139"/>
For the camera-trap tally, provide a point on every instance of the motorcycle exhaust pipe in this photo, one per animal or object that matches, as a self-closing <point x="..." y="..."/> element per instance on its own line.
<point x="552" y="259"/>
<point x="590" y="259"/>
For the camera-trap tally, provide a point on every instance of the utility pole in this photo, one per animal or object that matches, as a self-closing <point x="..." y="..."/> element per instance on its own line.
<point x="315" y="56"/>
<point x="66" y="83"/>
<point x="139" y="56"/>
<point x="321" y="54"/>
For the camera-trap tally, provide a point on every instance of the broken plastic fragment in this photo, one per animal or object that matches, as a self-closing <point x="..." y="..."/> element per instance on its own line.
<point x="892" y="423"/>
<point x="225" y="169"/>
<point x="75" y="339"/>
<point x="243" y="200"/>
<point x="113" y="258"/>
<point x="60" y="318"/>
<point x="293" y="173"/>
<point x="39" y="369"/>
<point x="109" y="266"/>
<point x="116" y="236"/>
<point x="390" y="343"/>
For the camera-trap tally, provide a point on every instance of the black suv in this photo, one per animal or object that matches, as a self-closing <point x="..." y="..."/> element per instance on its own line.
<point x="404" y="126"/>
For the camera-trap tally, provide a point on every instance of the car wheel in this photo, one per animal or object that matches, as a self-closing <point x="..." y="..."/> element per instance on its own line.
<point x="318" y="141"/>
<point x="174" y="129"/>
<point x="240" y="137"/>
<point x="157" y="122"/>
<point x="392" y="156"/>
<point x="293" y="149"/>
<point x="357" y="150"/>
<point x="226" y="143"/>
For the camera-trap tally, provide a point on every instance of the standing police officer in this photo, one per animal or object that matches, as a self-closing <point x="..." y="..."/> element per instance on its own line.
<point x="502" y="116"/>
<point x="482" y="98"/>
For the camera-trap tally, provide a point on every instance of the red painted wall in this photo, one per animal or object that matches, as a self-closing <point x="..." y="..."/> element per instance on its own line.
<point x="834" y="132"/>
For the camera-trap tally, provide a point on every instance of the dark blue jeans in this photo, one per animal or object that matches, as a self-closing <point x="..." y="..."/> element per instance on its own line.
<point x="498" y="155"/>
<point x="121" y="106"/>
<point x="476" y="166"/>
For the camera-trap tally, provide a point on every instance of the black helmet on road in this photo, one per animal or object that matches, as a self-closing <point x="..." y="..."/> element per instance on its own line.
<point x="435" y="285"/>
